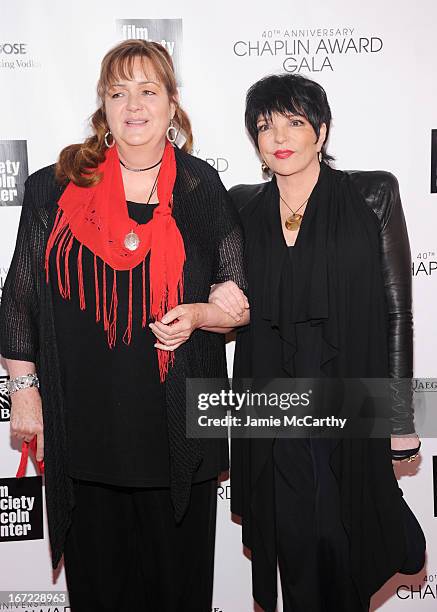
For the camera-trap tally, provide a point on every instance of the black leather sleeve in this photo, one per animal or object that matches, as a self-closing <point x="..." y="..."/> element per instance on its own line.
<point x="381" y="192"/>
<point x="396" y="269"/>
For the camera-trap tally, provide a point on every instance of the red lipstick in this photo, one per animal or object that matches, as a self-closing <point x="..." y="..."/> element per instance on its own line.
<point x="283" y="153"/>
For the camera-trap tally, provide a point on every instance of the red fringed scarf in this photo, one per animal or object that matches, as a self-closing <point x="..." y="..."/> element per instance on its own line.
<point x="98" y="218"/>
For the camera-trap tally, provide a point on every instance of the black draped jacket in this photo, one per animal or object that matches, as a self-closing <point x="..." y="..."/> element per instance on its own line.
<point x="372" y="510"/>
<point x="212" y="235"/>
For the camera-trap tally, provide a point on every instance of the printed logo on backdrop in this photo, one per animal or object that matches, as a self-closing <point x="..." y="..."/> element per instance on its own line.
<point x="5" y="401"/>
<point x="167" y="32"/>
<point x="425" y="590"/>
<point x="308" y="49"/>
<point x="423" y="385"/>
<point x="15" y="56"/>
<point x="433" y="161"/>
<point x="21" y="516"/>
<point x="224" y="492"/>
<point x="220" y="163"/>
<point x="424" y="264"/>
<point x="13" y="171"/>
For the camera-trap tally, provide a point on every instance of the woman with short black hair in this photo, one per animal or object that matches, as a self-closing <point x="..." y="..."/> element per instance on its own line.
<point x="329" y="280"/>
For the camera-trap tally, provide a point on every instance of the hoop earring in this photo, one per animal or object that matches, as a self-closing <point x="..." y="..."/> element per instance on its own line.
<point x="172" y="133"/>
<point x="320" y="156"/>
<point x="106" y="140"/>
<point x="264" y="167"/>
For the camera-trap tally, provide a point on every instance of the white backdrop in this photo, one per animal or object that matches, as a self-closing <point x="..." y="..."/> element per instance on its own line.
<point x="377" y="63"/>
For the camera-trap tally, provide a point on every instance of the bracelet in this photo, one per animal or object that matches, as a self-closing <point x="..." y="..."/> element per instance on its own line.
<point x="409" y="454"/>
<point x="22" y="382"/>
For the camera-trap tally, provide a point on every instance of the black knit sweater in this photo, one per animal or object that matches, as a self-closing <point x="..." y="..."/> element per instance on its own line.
<point x="214" y="253"/>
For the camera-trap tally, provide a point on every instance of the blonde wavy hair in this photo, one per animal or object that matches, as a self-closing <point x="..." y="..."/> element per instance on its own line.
<point x="77" y="162"/>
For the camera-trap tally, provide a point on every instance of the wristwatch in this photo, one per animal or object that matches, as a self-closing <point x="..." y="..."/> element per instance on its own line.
<point x="22" y="382"/>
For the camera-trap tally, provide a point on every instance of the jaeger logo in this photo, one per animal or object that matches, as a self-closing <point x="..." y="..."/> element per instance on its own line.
<point x="13" y="171"/>
<point x="167" y="32"/>
<point x="425" y="385"/>
<point x="5" y="402"/>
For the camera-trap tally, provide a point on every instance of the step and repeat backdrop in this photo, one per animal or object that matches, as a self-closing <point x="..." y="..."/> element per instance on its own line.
<point x="377" y="62"/>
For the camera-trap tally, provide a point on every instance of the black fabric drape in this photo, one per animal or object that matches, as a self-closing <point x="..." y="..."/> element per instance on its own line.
<point x="335" y="276"/>
<point x="336" y="281"/>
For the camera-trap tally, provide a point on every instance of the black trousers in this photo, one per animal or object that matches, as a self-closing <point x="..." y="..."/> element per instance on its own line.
<point x="125" y="552"/>
<point x="312" y="545"/>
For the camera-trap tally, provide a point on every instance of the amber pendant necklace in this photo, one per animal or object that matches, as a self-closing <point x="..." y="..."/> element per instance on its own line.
<point x="293" y="221"/>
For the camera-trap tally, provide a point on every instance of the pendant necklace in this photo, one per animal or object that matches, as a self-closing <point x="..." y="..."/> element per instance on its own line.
<point x="294" y="220"/>
<point x="132" y="240"/>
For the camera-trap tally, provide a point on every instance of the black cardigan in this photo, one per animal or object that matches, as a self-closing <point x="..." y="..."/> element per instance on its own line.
<point x="213" y="242"/>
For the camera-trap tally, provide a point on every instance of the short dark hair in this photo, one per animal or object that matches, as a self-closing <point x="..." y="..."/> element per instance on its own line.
<point x="288" y="94"/>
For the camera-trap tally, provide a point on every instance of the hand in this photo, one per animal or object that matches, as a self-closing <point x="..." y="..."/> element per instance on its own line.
<point x="176" y="326"/>
<point x="404" y="443"/>
<point x="229" y="297"/>
<point x="26" y="418"/>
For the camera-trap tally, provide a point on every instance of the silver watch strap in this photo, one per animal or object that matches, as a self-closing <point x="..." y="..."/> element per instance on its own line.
<point x="22" y="382"/>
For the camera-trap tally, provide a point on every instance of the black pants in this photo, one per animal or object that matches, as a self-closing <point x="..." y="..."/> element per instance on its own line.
<point x="125" y="552"/>
<point x="312" y="545"/>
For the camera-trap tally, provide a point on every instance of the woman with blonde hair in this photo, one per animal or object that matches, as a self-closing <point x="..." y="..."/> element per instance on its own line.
<point x="104" y="315"/>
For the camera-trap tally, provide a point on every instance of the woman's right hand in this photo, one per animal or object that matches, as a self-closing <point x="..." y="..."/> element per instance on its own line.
<point x="26" y="418"/>
<point x="230" y="298"/>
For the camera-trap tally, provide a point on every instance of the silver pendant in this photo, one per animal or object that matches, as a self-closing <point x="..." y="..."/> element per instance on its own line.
<point x="131" y="241"/>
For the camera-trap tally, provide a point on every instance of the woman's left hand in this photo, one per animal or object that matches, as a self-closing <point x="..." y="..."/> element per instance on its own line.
<point x="176" y="326"/>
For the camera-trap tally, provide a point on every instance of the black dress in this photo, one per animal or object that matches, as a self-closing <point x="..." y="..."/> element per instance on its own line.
<point x="342" y="310"/>
<point x="115" y="403"/>
<point x="310" y="537"/>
